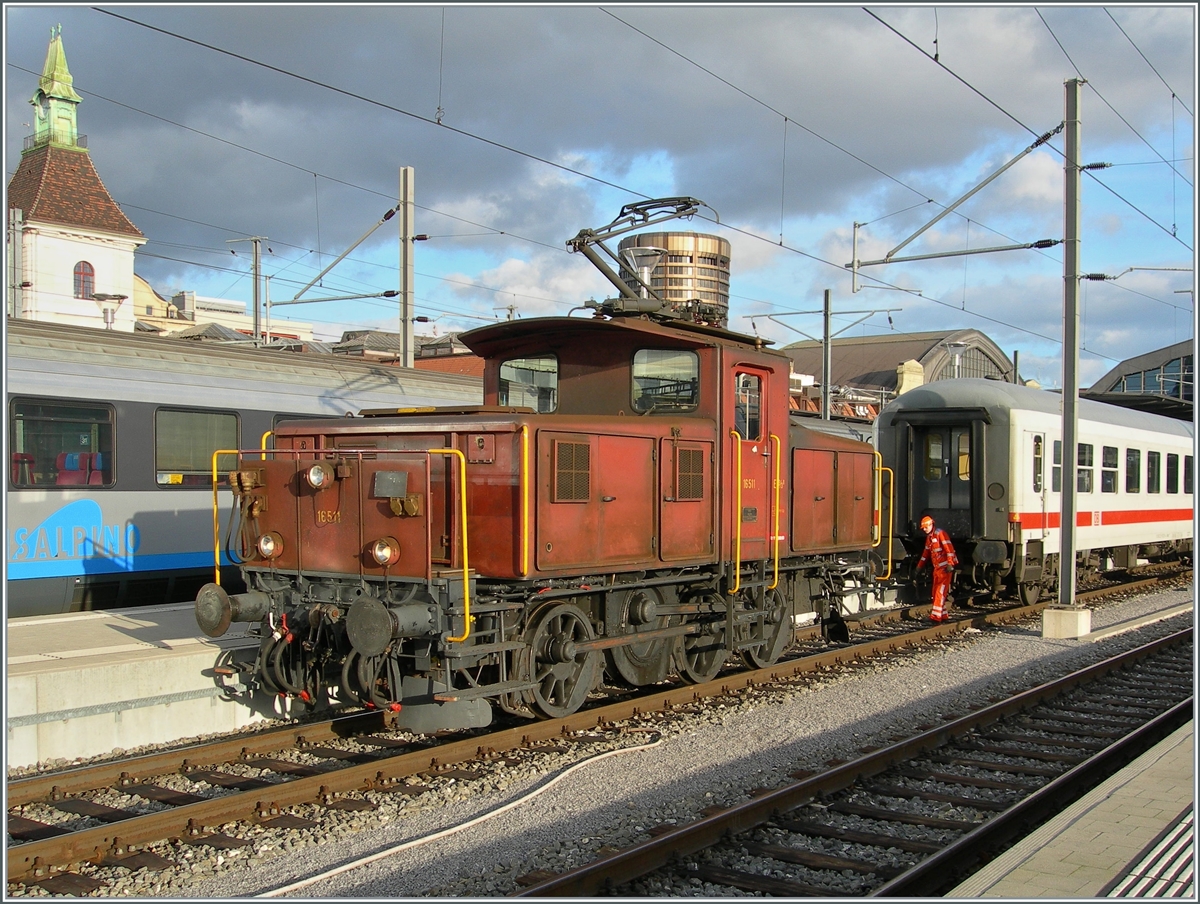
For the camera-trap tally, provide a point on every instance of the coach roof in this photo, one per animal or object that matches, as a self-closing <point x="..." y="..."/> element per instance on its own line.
<point x="997" y="396"/>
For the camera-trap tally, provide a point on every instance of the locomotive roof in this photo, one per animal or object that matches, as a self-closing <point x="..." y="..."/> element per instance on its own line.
<point x="487" y="341"/>
<point x="996" y="395"/>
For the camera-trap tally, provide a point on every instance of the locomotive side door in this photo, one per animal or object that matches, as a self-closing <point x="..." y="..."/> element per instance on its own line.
<point x="747" y="414"/>
<point x="941" y="477"/>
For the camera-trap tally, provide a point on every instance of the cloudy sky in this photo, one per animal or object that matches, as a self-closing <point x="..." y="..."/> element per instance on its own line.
<point x="526" y="124"/>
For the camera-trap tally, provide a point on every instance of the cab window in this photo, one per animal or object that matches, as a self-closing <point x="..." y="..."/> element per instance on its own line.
<point x="184" y="443"/>
<point x="60" y="443"/>
<point x="530" y="383"/>
<point x="747" y="412"/>
<point x="665" y="380"/>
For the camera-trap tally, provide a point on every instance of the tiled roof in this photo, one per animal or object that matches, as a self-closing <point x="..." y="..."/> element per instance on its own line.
<point x="468" y="365"/>
<point x="60" y="185"/>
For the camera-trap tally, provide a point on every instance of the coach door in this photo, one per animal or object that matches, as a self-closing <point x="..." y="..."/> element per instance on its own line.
<point x="753" y="456"/>
<point x="941" y="479"/>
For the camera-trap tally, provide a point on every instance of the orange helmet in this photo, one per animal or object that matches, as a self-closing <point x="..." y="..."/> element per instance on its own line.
<point x="926" y="524"/>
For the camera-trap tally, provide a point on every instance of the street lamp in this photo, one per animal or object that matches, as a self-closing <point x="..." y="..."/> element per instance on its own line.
<point x="956" y="350"/>
<point x="110" y="314"/>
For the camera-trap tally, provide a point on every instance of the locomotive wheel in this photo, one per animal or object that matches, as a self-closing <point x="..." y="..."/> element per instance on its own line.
<point x="699" y="657"/>
<point x="771" y="628"/>
<point x="562" y="675"/>
<point x="628" y="612"/>
<point x="1029" y="593"/>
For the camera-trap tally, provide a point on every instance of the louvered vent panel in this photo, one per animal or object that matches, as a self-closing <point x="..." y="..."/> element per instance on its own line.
<point x="689" y="480"/>
<point x="573" y="472"/>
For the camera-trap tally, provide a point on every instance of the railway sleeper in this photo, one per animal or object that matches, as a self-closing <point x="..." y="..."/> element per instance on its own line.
<point x="814" y="860"/>
<point x="856" y="836"/>
<point x="769" y="885"/>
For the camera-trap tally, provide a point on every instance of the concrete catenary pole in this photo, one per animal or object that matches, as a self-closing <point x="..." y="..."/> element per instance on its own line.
<point x="406" y="265"/>
<point x="826" y="361"/>
<point x="1069" y="623"/>
<point x="256" y="243"/>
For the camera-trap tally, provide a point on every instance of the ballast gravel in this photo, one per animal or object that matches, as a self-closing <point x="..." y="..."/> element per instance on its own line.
<point x="713" y="757"/>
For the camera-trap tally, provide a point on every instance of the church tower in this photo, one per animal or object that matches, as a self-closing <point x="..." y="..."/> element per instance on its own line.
<point x="70" y="247"/>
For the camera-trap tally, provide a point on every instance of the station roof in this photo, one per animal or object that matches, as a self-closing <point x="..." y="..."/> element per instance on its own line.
<point x="870" y="362"/>
<point x="1110" y="388"/>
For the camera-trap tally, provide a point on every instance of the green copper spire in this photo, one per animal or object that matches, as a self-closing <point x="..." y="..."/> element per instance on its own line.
<point x="55" y="101"/>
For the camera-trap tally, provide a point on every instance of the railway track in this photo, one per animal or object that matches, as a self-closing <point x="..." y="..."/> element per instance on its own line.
<point x="113" y="813"/>
<point x="917" y="817"/>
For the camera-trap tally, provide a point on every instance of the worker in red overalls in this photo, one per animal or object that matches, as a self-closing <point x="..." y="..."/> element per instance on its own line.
<point x="939" y="552"/>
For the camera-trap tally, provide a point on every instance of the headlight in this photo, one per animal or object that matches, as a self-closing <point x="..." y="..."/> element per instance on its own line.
<point x="319" y="475"/>
<point x="386" y="551"/>
<point x="270" y="545"/>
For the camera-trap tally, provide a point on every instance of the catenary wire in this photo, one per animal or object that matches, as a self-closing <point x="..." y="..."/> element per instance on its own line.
<point x="1174" y="94"/>
<point x="295" y="166"/>
<point x="993" y="103"/>
<point x="377" y="103"/>
<point x="1096" y="91"/>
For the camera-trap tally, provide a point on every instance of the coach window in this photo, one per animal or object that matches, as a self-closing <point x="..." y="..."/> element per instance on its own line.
<point x="933" y="456"/>
<point x="665" y="380"/>
<point x="1083" y="482"/>
<point x="530" y="383"/>
<point x="1172" y="473"/>
<point x="1109" y="462"/>
<point x="1056" y="471"/>
<point x="964" y="456"/>
<point x="1133" y="470"/>
<point x="1187" y="474"/>
<point x="184" y="443"/>
<point x="1153" y="472"/>
<point x="1038" y="455"/>
<point x="60" y="443"/>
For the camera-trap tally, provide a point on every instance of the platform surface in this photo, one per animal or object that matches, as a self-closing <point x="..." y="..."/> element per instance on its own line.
<point x="44" y="643"/>
<point x="1105" y="843"/>
<point x="87" y="683"/>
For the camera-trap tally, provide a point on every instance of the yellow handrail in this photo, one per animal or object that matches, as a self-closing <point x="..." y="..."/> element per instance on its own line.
<point x="737" y="531"/>
<point x="879" y="508"/>
<point x="775" y="519"/>
<point x="462" y="472"/>
<point x="217" y="516"/>
<point x="524" y="490"/>
<point x="877" y="529"/>
<point x="266" y="436"/>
